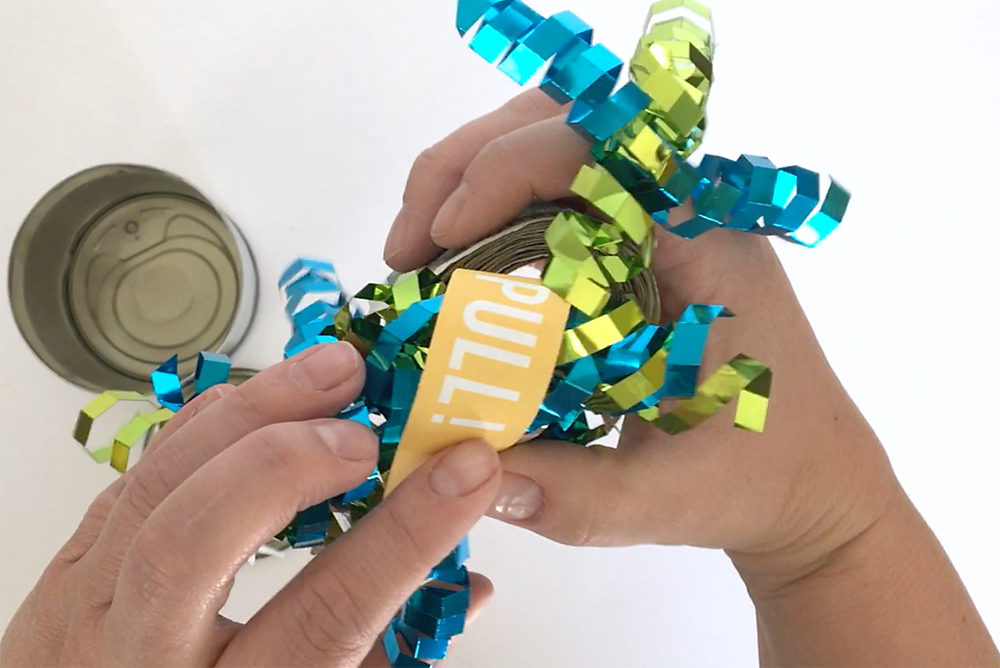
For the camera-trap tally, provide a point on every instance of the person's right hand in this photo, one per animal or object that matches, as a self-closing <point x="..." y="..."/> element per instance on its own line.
<point x="142" y="581"/>
<point x="816" y="477"/>
<point x="841" y="567"/>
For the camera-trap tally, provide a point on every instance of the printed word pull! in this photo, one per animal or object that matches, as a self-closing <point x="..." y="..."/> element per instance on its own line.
<point x="489" y="364"/>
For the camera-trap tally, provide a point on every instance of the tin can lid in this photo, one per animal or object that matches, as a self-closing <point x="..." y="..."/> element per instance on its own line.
<point x="151" y="278"/>
<point x="120" y="268"/>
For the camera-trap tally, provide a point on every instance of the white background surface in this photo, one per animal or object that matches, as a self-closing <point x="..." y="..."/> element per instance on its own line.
<point x="301" y="118"/>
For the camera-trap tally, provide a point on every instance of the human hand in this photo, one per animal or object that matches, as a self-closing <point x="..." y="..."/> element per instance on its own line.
<point x="143" y="579"/>
<point x="779" y="502"/>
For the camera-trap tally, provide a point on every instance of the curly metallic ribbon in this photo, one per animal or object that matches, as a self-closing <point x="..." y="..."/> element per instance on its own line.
<point x="643" y="134"/>
<point x="612" y="364"/>
<point x="212" y="369"/>
<point x="641" y="171"/>
<point x="615" y="358"/>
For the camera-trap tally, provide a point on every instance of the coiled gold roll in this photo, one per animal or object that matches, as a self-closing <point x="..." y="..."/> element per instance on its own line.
<point x="522" y="244"/>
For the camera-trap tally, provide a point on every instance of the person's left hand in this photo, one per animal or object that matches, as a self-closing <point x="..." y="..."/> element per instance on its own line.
<point x="144" y="578"/>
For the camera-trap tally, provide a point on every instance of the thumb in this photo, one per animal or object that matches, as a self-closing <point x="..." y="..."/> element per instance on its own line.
<point x="332" y="613"/>
<point x="572" y="494"/>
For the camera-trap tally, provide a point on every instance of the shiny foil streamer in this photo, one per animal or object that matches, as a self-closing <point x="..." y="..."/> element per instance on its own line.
<point x="687" y="348"/>
<point x="752" y="195"/>
<point x="743" y="378"/>
<point x="641" y="171"/>
<point x="167" y="385"/>
<point x="313" y="298"/>
<point x="212" y="369"/>
<point x="616" y="356"/>
<point x="521" y="43"/>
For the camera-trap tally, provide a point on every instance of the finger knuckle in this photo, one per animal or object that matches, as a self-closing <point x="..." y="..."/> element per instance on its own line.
<point x="400" y="533"/>
<point x="91" y="524"/>
<point x="582" y="532"/>
<point x="154" y="567"/>
<point x="101" y="506"/>
<point x="217" y="392"/>
<point x="268" y="449"/>
<point x="531" y="104"/>
<point x="159" y="436"/>
<point x="427" y="160"/>
<point x="501" y="150"/>
<point x="326" y="621"/>
<point x="146" y="490"/>
<point x="593" y="528"/>
<point x="248" y="406"/>
<point x="435" y="163"/>
<point x="209" y="397"/>
<point x="593" y="523"/>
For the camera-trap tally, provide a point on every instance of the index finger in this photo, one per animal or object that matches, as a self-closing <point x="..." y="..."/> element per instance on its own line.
<point x="438" y="171"/>
<point x="332" y="613"/>
<point x="318" y="382"/>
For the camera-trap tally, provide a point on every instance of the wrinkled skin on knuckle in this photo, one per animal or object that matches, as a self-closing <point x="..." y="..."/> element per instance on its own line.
<point x="145" y="491"/>
<point x="247" y="407"/>
<point x="147" y="588"/>
<point x="596" y="518"/>
<point x="436" y="163"/>
<point x="327" y="622"/>
<point x="266" y="447"/>
<point x="600" y="529"/>
<point x="587" y="524"/>
<point x="498" y="156"/>
<point x="90" y="526"/>
<point x="398" y="532"/>
<point x="580" y="532"/>
<point x="502" y="150"/>
<point x="154" y="566"/>
<point x="216" y="392"/>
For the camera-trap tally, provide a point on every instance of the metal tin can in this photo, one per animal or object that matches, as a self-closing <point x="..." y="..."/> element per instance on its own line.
<point x="120" y="267"/>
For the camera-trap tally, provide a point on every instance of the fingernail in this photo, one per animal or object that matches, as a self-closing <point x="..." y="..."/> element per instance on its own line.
<point x="464" y="469"/>
<point x="343" y="441"/>
<point x="395" y="243"/>
<point x="519" y="498"/>
<point x="327" y="368"/>
<point x="450" y="212"/>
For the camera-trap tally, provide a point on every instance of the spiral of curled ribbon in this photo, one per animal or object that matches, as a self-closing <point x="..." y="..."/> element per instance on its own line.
<point x="168" y="398"/>
<point x="613" y="356"/>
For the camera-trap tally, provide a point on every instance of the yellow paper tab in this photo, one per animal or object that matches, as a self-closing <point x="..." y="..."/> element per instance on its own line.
<point x="490" y="362"/>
